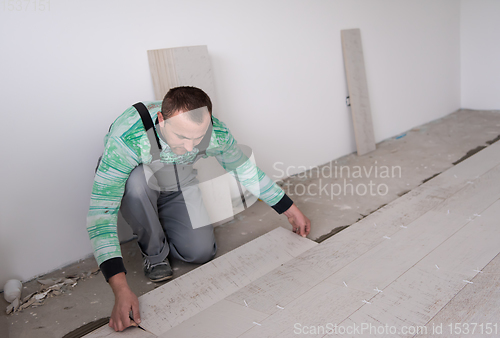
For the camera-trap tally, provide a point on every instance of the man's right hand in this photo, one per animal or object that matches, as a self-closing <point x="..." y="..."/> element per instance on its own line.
<point x="125" y="301"/>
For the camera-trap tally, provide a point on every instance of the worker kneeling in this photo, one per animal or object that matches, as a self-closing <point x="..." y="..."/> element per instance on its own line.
<point x="146" y="171"/>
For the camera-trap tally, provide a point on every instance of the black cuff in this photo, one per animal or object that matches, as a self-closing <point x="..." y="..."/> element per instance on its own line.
<point x="283" y="205"/>
<point x="112" y="267"/>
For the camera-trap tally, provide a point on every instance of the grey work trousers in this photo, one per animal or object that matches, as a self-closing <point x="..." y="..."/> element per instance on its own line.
<point x="162" y="224"/>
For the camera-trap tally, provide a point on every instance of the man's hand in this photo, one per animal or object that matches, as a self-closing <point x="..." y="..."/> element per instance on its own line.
<point x="300" y="224"/>
<point x="125" y="302"/>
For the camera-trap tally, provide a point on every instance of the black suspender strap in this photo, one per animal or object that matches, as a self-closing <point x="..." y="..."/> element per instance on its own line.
<point x="153" y="140"/>
<point x="241" y="190"/>
<point x="177" y="177"/>
<point x="148" y="125"/>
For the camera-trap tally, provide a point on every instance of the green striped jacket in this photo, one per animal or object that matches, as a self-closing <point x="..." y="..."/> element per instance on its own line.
<point x="126" y="146"/>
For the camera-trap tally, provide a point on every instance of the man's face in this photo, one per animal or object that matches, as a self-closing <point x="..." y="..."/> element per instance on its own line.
<point x="181" y="133"/>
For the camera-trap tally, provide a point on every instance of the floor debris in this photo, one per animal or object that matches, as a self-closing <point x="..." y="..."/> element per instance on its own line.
<point x="48" y="288"/>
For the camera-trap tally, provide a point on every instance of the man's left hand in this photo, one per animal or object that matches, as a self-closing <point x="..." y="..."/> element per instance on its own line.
<point x="301" y="225"/>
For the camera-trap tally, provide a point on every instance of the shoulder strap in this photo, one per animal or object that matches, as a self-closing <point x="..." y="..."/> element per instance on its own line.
<point x="148" y="125"/>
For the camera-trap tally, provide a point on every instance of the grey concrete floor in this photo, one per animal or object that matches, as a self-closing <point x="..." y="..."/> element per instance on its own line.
<point x="421" y="153"/>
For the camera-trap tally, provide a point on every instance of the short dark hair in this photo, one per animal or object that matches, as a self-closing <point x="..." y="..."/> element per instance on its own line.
<point x="183" y="99"/>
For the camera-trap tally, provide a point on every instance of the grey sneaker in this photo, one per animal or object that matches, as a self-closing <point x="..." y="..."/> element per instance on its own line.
<point x="157" y="272"/>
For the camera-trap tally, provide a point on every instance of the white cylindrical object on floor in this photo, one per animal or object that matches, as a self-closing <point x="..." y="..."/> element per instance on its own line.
<point x="12" y="290"/>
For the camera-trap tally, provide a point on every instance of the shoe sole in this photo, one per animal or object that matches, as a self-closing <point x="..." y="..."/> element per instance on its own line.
<point x="160" y="279"/>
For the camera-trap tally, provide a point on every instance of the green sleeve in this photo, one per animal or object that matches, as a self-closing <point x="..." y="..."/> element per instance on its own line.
<point x="231" y="157"/>
<point x="117" y="163"/>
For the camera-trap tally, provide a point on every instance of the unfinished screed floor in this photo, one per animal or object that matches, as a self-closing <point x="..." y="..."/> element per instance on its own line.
<point x="431" y="220"/>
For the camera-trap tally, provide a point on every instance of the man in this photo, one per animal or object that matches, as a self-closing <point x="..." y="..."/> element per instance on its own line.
<point x="146" y="172"/>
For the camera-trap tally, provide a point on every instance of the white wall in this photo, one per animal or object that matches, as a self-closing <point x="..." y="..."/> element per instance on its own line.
<point x="480" y="52"/>
<point x="67" y="73"/>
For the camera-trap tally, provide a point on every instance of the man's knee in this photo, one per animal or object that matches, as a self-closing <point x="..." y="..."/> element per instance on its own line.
<point x="206" y="255"/>
<point x="202" y="253"/>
